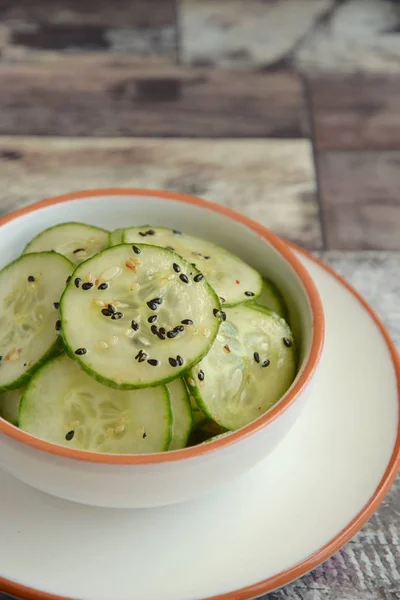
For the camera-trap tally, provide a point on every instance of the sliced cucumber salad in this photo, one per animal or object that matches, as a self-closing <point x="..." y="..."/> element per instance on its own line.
<point x="29" y="289"/>
<point x="233" y="280"/>
<point x="75" y="241"/>
<point x="63" y="404"/>
<point x="138" y="340"/>
<point x="248" y="369"/>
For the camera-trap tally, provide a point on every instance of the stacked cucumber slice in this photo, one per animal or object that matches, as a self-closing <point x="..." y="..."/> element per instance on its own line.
<point x="141" y="340"/>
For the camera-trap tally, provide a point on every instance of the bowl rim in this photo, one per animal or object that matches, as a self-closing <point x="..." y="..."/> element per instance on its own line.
<point x="314" y="355"/>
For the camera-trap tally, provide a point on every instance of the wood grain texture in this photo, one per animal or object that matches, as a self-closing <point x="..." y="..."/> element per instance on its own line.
<point x="357" y="36"/>
<point x="357" y="112"/>
<point x="141" y="27"/>
<point x="360" y="200"/>
<point x="245" y="33"/>
<point x="70" y="97"/>
<point x="271" y="181"/>
<point x="368" y="567"/>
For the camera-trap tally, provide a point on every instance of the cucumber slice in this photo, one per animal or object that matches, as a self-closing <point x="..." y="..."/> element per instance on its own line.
<point x="233" y="280"/>
<point x="75" y="241"/>
<point x="250" y="366"/>
<point x="9" y="405"/>
<point x="137" y="316"/>
<point x="181" y="413"/>
<point x="272" y="298"/>
<point x="116" y="237"/>
<point x="197" y="414"/>
<point x="63" y="405"/>
<point x="29" y="287"/>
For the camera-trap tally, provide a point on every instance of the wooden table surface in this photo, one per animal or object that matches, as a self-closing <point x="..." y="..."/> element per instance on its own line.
<point x="286" y="110"/>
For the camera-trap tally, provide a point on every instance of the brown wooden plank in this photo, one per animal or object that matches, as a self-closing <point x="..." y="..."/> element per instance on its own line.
<point x="75" y="98"/>
<point x="360" y="199"/>
<point x="142" y="27"/>
<point x="272" y="181"/>
<point x="356" y="111"/>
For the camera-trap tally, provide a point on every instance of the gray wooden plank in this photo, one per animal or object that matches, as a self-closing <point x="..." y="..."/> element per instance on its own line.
<point x="271" y="181"/>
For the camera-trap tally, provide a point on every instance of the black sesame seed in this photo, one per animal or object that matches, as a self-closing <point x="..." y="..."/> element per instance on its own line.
<point x="249" y="294"/>
<point x="169" y="248"/>
<point x="256" y="357"/>
<point x="198" y="277"/>
<point x="77" y="282"/>
<point x="172" y="334"/>
<point x="134" y="325"/>
<point x="154" y="329"/>
<point x="215" y="312"/>
<point x="184" y="278"/>
<point x="179" y="328"/>
<point x="78" y="250"/>
<point x="103" y="286"/>
<point x="223" y="315"/>
<point x="177" y="232"/>
<point x="207" y="257"/>
<point x="162" y="330"/>
<point x="144" y="436"/>
<point x="153" y="362"/>
<point x="111" y="308"/>
<point x="56" y="305"/>
<point x="58" y="325"/>
<point x="139" y="354"/>
<point x="161" y="336"/>
<point x="152" y="305"/>
<point x="136" y="250"/>
<point x="265" y="363"/>
<point x="81" y="351"/>
<point x="157" y="300"/>
<point x="173" y="362"/>
<point x="116" y="316"/>
<point x="142" y="234"/>
<point x="25" y="364"/>
<point x="152" y="319"/>
<point x="179" y="360"/>
<point x="1" y="358"/>
<point x="287" y="342"/>
<point x="222" y="300"/>
<point x="187" y="322"/>
<point x="68" y="279"/>
<point x="70" y="435"/>
<point x="87" y="286"/>
<point x="201" y="375"/>
<point x="143" y="357"/>
<point x="176" y="268"/>
<point x="31" y="278"/>
<point x="150" y="232"/>
<point x="106" y="312"/>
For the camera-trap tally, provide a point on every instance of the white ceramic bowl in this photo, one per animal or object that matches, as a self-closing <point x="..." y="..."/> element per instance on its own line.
<point x="132" y="481"/>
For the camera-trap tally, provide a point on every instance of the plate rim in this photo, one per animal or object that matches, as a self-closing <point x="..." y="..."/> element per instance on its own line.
<point x="285" y="577"/>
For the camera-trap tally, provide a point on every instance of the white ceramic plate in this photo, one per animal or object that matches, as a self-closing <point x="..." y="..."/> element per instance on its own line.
<point x="280" y="520"/>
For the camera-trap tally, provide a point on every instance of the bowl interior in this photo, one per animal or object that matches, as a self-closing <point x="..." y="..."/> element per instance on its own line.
<point x="115" y="211"/>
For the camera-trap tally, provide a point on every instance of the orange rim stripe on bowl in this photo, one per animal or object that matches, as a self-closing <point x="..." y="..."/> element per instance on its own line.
<point x="289" y="398"/>
<point x="285" y="577"/>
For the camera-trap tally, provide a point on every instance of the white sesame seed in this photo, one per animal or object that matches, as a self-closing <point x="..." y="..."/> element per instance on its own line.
<point x="130" y="333"/>
<point x="98" y="302"/>
<point x="206" y="332"/>
<point x="134" y="287"/>
<point x="103" y="344"/>
<point x="143" y="341"/>
<point x="120" y="429"/>
<point x="114" y="340"/>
